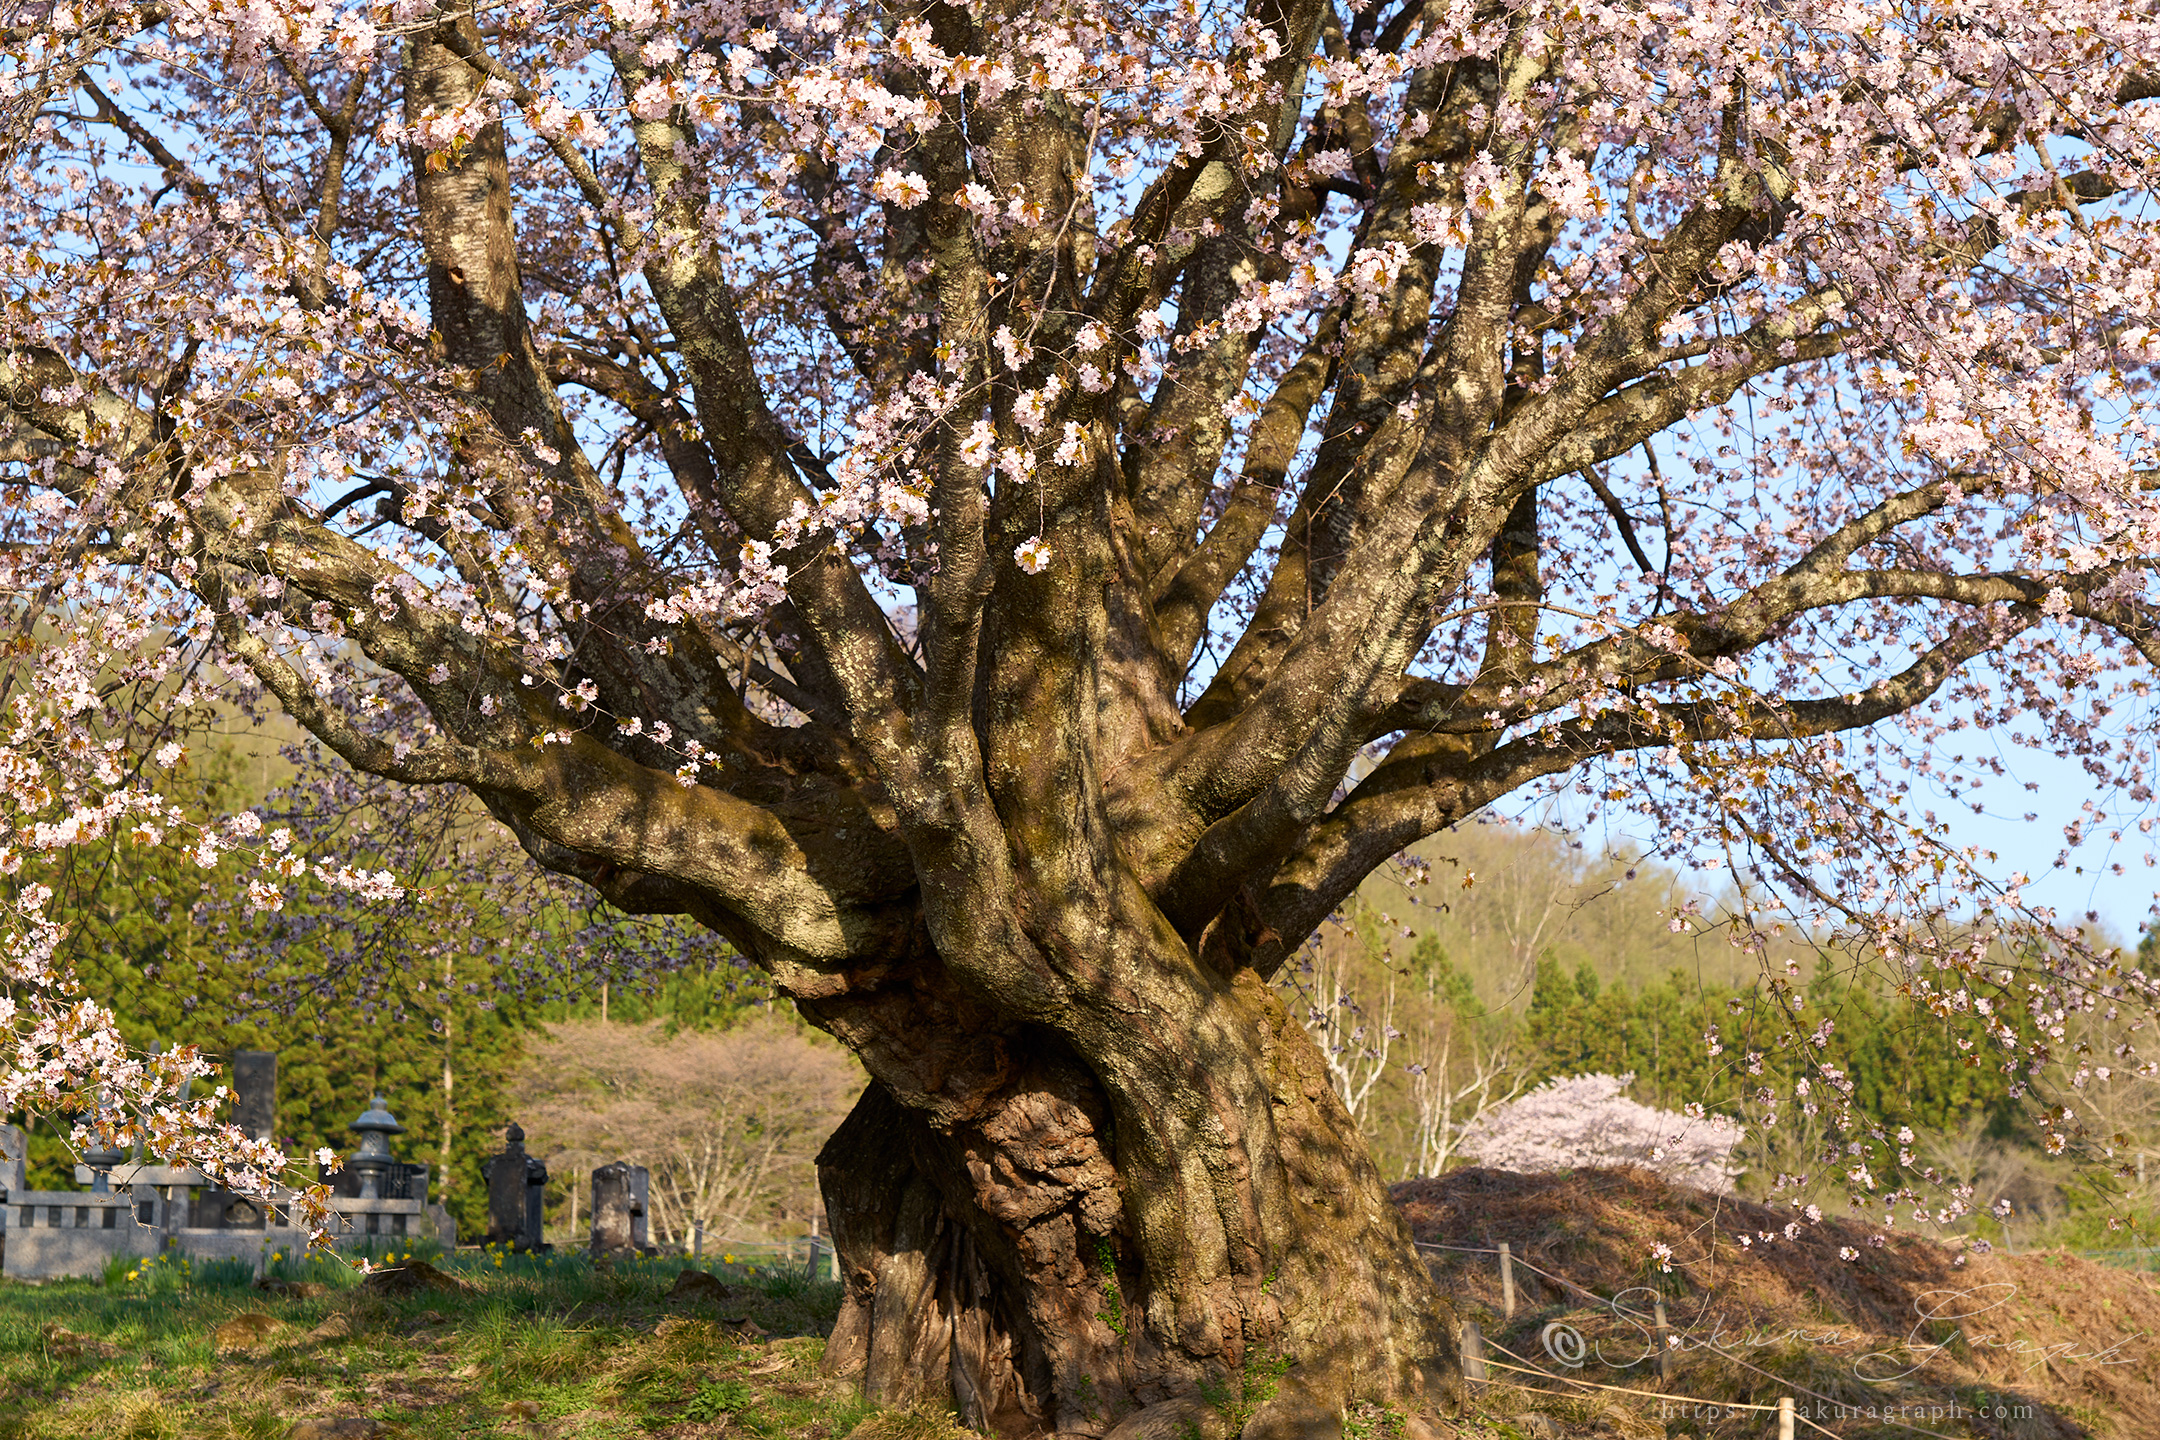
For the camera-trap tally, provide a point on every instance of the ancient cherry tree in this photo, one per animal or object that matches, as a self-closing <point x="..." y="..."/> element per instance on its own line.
<point x="1008" y="514"/>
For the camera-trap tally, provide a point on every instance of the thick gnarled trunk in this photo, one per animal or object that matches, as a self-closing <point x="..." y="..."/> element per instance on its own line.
<point x="1017" y="1250"/>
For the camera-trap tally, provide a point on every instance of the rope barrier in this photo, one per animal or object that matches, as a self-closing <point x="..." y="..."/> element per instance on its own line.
<point x="1678" y="1399"/>
<point x="1667" y="1396"/>
<point x="1831" y="1399"/>
<point x="1560" y="1280"/>
<point x="2153" y="1250"/>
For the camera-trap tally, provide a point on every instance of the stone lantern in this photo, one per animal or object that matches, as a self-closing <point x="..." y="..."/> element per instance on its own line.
<point x="373" y="1160"/>
<point x="101" y="1159"/>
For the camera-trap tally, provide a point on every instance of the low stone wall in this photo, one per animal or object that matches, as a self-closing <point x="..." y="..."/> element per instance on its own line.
<point x="73" y="1233"/>
<point x="68" y="1232"/>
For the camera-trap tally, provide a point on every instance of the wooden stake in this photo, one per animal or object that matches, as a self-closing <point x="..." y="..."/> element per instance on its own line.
<point x="1507" y="1281"/>
<point x="1784" y="1418"/>
<point x="1664" y="1344"/>
<point x="1473" y="1353"/>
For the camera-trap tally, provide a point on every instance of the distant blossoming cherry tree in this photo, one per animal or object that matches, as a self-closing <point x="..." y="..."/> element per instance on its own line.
<point x="1008" y="513"/>
<point x="1581" y="1120"/>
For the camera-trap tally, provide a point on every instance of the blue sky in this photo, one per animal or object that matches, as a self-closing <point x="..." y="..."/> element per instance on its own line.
<point x="2086" y="882"/>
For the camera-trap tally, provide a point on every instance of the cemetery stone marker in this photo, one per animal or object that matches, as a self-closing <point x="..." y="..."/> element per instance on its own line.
<point x="618" y="1208"/>
<point x="515" y="1180"/>
<point x="255" y="1092"/>
<point x="14" y="1156"/>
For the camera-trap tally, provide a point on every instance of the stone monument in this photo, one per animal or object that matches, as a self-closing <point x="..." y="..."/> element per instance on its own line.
<point x="516" y="1185"/>
<point x="140" y="1208"/>
<point x="619" y="1195"/>
<point x="255" y="1093"/>
<point x="14" y="1158"/>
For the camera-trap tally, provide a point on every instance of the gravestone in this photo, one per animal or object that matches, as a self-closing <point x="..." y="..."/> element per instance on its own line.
<point x="210" y="1208"/>
<point x="255" y="1093"/>
<point x="619" y="1193"/>
<point x="515" y="1182"/>
<point x="13" y="1155"/>
<point x="536" y="1206"/>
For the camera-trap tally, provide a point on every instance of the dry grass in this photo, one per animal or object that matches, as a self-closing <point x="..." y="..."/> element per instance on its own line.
<point x="2063" y="1347"/>
<point x="925" y="1423"/>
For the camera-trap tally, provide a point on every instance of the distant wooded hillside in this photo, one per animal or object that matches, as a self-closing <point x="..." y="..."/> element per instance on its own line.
<point x="1495" y="957"/>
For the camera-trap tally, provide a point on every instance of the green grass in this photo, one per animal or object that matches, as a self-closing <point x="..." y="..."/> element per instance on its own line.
<point x="544" y="1345"/>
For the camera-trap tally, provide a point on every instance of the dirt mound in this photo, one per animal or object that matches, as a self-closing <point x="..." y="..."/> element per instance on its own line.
<point x="411" y="1278"/>
<point x="64" y="1344"/>
<point x="292" y="1289"/>
<point x="1872" y="1330"/>
<point x="245" y="1332"/>
<point x="698" y="1285"/>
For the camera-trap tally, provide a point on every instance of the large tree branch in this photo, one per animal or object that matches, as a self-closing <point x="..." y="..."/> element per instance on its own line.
<point x="1196" y="188"/>
<point x="312" y="285"/>
<point x="952" y="602"/>
<point x="1421" y="789"/>
<point x="1183" y="605"/>
<point x="809" y="687"/>
<point x="1383" y="366"/>
<point x="1173" y="452"/>
<point x="176" y="170"/>
<point x="45" y="393"/>
<point x="1274" y="754"/>
<point x="1236" y="846"/>
<point x="579" y="537"/>
<point x="810" y="877"/>
<point x="753" y="481"/>
<point x="1791" y="335"/>
<point x="1171" y="455"/>
<point x="811" y="903"/>
<point x="1278" y="763"/>
<point x="118" y="22"/>
<point x="1636" y="412"/>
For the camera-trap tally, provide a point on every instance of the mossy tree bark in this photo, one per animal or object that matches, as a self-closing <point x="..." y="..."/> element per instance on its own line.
<point x="1205" y="1241"/>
